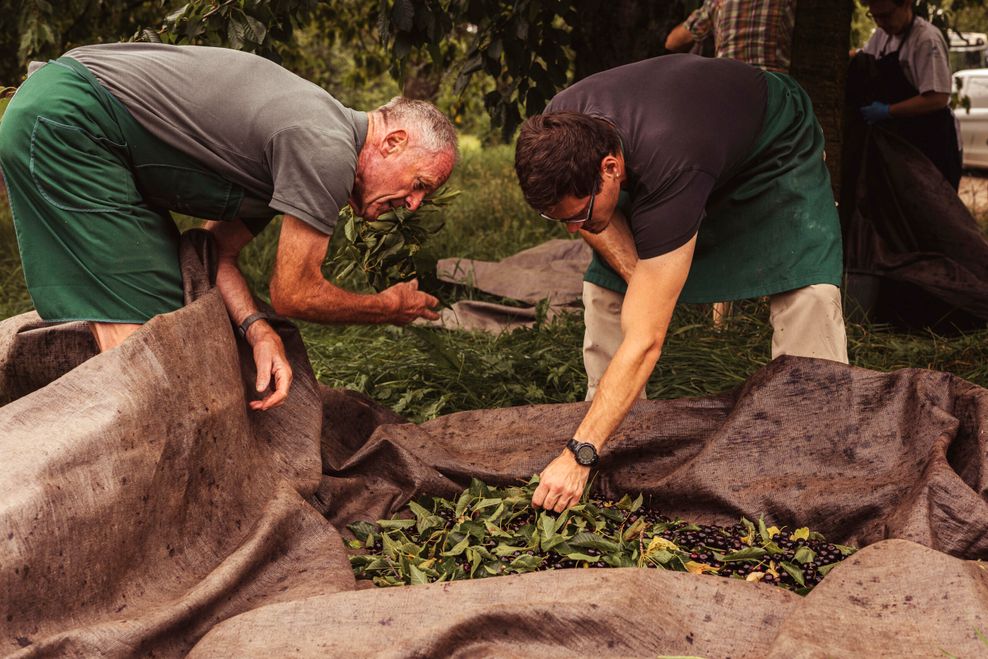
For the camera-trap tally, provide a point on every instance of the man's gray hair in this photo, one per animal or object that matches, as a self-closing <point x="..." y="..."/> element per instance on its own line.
<point x="434" y="127"/>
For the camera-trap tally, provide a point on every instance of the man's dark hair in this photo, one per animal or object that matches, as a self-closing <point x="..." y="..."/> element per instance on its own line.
<point x="558" y="155"/>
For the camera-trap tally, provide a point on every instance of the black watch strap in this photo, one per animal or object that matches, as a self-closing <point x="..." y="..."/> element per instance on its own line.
<point x="250" y="320"/>
<point x="584" y="452"/>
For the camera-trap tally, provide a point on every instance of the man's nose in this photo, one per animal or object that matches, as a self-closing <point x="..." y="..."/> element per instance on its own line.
<point x="414" y="200"/>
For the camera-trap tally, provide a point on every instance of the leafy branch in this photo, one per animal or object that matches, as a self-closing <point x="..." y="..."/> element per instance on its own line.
<point x="375" y="254"/>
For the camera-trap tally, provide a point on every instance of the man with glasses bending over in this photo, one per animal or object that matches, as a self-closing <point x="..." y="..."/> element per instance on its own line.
<point x="698" y="180"/>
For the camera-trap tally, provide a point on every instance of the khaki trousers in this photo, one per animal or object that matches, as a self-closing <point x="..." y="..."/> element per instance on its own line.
<point x="806" y="322"/>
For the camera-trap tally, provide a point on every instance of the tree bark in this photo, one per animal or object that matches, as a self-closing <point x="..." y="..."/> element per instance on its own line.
<point x="618" y="32"/>
<point x="821" y="40"/>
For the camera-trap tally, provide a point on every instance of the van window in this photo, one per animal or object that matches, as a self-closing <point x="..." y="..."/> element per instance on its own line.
<point x="976" y="88"/>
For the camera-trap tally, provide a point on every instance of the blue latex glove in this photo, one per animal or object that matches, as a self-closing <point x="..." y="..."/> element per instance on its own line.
<point x="875" y="112"/>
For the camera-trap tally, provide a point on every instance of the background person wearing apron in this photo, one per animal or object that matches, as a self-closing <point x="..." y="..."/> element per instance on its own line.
<point x="728" y="197"/>
<point x="907" y="87"/>
<point x="99" y="145"/>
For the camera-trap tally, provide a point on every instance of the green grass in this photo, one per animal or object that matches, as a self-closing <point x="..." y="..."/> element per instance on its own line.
<point x="422" y="373"/>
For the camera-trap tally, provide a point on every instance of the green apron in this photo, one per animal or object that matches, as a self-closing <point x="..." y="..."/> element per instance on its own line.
<point x="90" y="190"/>
<point x="771" y="224"/>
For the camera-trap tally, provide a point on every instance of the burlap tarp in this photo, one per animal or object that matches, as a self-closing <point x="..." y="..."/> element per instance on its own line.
<point x="550" y="274"/>
<point x="144" y="510"/>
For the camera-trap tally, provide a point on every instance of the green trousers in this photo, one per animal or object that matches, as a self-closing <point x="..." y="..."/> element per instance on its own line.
<point x="90" y="191"/>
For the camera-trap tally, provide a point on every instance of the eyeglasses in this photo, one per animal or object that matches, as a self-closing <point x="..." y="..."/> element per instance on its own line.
<point x="575" y="220"/>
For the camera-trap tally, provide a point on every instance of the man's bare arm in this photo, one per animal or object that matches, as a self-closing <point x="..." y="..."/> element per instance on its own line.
<point x="645" y="316"/>
<point x="920" y="104"/>
<point x="268" y="349"/>
<point x="679" y="40"/>
<point x="299" y="290"/>
<point x="616" y="245"/>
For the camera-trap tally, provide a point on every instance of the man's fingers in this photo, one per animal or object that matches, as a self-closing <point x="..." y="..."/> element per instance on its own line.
<point x="430" y="314"/>
<point x="539" y="497"/>
<point x="263" y="363"/>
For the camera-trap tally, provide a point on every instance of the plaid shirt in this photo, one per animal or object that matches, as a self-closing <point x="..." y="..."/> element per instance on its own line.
<point x="758" y="32"/>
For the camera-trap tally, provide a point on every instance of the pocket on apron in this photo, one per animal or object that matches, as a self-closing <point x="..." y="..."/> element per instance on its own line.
<point x="78" y="171"/>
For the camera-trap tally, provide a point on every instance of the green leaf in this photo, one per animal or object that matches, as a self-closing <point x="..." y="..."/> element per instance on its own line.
<point x="794" y="572"/>
<point x="362" y="529"/>
<point x="661" y="556"/>
<point x="486" y="503"/>
<point x="594" y="541"/>
<point x="462" y="503"/>
<point x="396" y="523"/>
<point x="458" y="548"/>
<point x="577" y="556"/>
<point x="746" y="554"/>
<point x="525" y="563"/>
<point x="763" y="530"/>
<point x="804" y="555"/>
<point x="416" y="576"/>
<point x="547" y="525"/>
<point x="634" y="530"/>
<point x="750" y="528"/>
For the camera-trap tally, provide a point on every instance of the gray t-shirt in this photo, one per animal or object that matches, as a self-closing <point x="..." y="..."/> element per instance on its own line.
<point x="685" y="122"/>
<point x="283" y="139"/>
<point x="923" y="57"/>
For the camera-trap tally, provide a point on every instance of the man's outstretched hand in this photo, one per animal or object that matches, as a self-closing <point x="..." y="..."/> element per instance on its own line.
<point x="561" y="483"/>
<point x="409" y="303"/>
<point x="272" y="365"/>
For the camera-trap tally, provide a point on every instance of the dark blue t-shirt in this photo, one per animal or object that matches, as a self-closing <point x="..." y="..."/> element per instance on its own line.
<point x="685" y="122"/>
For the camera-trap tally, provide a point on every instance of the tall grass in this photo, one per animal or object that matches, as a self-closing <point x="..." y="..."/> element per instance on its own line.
<point x="424" y="372"/>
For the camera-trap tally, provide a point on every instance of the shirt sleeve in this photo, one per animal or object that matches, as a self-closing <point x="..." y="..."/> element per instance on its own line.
<point x="871" y="46"/>
<point x="701" y="22"/>
<point x="312" y="171"/>
<point x="930" y="66"/>
<point x="666" y="218"/>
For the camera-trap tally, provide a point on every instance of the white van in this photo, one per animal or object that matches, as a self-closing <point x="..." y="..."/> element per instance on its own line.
<point x="968" y="50"/>
<point x="974" y="122"/>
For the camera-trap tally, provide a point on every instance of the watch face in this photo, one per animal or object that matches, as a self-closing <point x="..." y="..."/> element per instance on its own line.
<point x="585" y="455"/>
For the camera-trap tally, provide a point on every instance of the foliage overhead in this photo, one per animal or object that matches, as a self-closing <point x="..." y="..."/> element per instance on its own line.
<point x="523" y="50"/>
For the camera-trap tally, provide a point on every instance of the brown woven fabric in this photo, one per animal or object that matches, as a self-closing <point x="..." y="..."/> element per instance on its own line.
<point x="145" y="510"/>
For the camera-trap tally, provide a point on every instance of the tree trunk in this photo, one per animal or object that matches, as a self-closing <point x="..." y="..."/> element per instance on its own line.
<point x="821" y="41"/>
<point x="618" y="32"/>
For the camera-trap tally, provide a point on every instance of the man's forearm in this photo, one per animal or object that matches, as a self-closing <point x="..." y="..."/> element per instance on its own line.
<point x="616" y="245"/>
<point x="323" y="302"/>
<point x="234" y="290"/>
<point x="298" y="288"/>
<point x="679" y="39"/>
<point x="645" y="317"/>
<point x="919" y="105"/>
<point x="626" y="376"/>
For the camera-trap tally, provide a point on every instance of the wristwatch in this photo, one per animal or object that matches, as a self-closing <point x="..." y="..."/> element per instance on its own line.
<point x="584" y="452"/>
<point x="250" y="320"/>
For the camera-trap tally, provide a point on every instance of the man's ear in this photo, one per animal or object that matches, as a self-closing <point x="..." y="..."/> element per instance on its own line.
<point x="610" y="166"/>
<point x="394" y="142"/>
